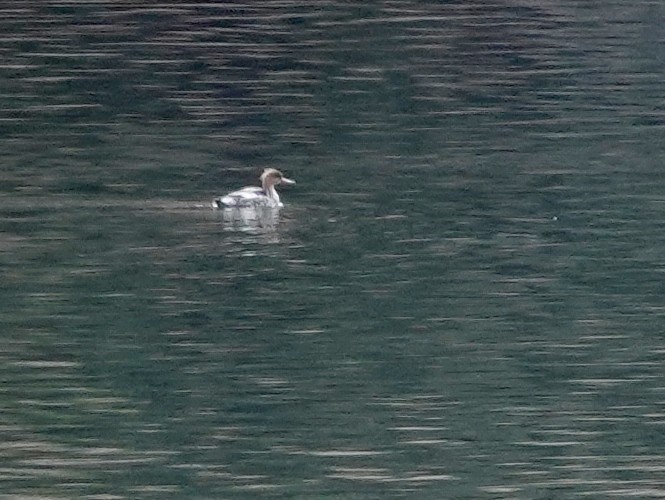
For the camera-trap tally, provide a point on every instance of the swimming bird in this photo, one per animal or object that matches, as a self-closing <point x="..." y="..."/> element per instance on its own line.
<point x="254" y="196"/>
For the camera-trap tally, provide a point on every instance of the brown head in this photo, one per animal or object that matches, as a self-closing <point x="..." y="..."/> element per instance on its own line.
<point x="272" y="177"/>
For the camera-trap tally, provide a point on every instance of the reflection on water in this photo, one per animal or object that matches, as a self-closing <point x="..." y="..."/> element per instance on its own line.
<point x="461" y="300"/>
<point x="251" y="219"/>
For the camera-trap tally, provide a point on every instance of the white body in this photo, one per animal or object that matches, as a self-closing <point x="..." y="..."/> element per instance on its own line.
<point x="251" y="197"/>
<point x="256" y="197"/>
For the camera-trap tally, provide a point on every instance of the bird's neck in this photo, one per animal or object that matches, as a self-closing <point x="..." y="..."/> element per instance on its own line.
<point x="271" y="192"/>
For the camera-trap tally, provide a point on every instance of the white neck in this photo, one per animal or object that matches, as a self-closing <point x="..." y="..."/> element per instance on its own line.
<point x="272" y="193"/>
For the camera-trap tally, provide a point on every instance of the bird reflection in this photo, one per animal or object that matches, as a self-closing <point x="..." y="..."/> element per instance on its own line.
<point x="251" y="219"/>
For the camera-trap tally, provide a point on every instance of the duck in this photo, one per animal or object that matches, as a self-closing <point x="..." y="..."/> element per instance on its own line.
<point x="265" y="196"/>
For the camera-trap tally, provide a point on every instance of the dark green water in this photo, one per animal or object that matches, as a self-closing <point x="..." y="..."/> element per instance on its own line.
<point x="462" y="298"/>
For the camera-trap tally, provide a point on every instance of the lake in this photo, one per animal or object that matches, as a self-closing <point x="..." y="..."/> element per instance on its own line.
<point x="463" y="296"/>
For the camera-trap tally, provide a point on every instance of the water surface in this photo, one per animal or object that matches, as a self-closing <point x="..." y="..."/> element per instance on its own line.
<point x="462" y="297"/>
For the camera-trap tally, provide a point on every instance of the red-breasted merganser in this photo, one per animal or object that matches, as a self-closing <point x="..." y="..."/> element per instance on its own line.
<point x="254" y="196"/>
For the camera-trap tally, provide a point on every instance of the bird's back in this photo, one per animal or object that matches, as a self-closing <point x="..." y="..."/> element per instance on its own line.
<point x="250" y="196"/>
